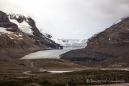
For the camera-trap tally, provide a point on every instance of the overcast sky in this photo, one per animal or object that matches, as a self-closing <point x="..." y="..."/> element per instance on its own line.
<point x="70" y="18"/>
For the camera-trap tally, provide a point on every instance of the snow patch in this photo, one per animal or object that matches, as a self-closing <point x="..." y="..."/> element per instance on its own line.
<point x="17" y="16"/>
<point x="2" y="29"/>
<point x="118" y="21"/>
<point x="59" y="71"/>
<point x="16" y="35"/>
<point x="20" y="35"/>
<point x="11" y="37"/>
<point x="20" y="38"/>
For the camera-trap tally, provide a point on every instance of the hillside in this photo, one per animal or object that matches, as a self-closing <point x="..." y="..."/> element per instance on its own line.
<point x="109" y="48"/>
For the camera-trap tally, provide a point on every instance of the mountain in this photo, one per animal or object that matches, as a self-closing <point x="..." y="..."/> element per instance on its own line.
<point x="109" y="48"/>
<point x="19" y="36"/>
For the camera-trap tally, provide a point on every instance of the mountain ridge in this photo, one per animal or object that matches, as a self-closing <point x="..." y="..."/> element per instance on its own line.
<point x="110" y="47"/>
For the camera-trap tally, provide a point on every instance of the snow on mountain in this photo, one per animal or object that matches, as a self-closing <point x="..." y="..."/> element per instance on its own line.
<point x="45" y="34"/>
<point x="23" y="26"/>
<point x="118" y="21"/>
<point x="3" y="30"/>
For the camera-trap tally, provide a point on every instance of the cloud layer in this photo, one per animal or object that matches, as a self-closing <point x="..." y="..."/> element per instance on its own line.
<point x="70" y="18"/>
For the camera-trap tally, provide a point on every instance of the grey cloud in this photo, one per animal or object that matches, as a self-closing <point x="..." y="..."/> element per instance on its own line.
<point x="70" y="18"/>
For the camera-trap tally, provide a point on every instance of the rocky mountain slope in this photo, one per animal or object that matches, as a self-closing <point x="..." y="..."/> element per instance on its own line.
<point x="19" y="36"/>
<point x="108" y="48"/>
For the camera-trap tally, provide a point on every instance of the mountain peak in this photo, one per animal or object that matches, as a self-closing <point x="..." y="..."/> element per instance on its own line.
<point x="12" y="26"/>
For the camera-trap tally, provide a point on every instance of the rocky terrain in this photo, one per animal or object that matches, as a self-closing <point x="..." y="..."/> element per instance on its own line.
<point x="19" y="36"/>
<point x="109" y="48"/>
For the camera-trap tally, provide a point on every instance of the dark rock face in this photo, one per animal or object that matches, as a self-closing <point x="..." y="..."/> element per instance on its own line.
<point x="4" y="22"/>
<point x="48" y="36"/>
<point x="111" y="45"/>
<point x="34" y="28"/>
<point x="16" y="43"/>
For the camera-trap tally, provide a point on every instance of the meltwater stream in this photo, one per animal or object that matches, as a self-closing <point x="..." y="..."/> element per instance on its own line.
<point x="54" y="54"/>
